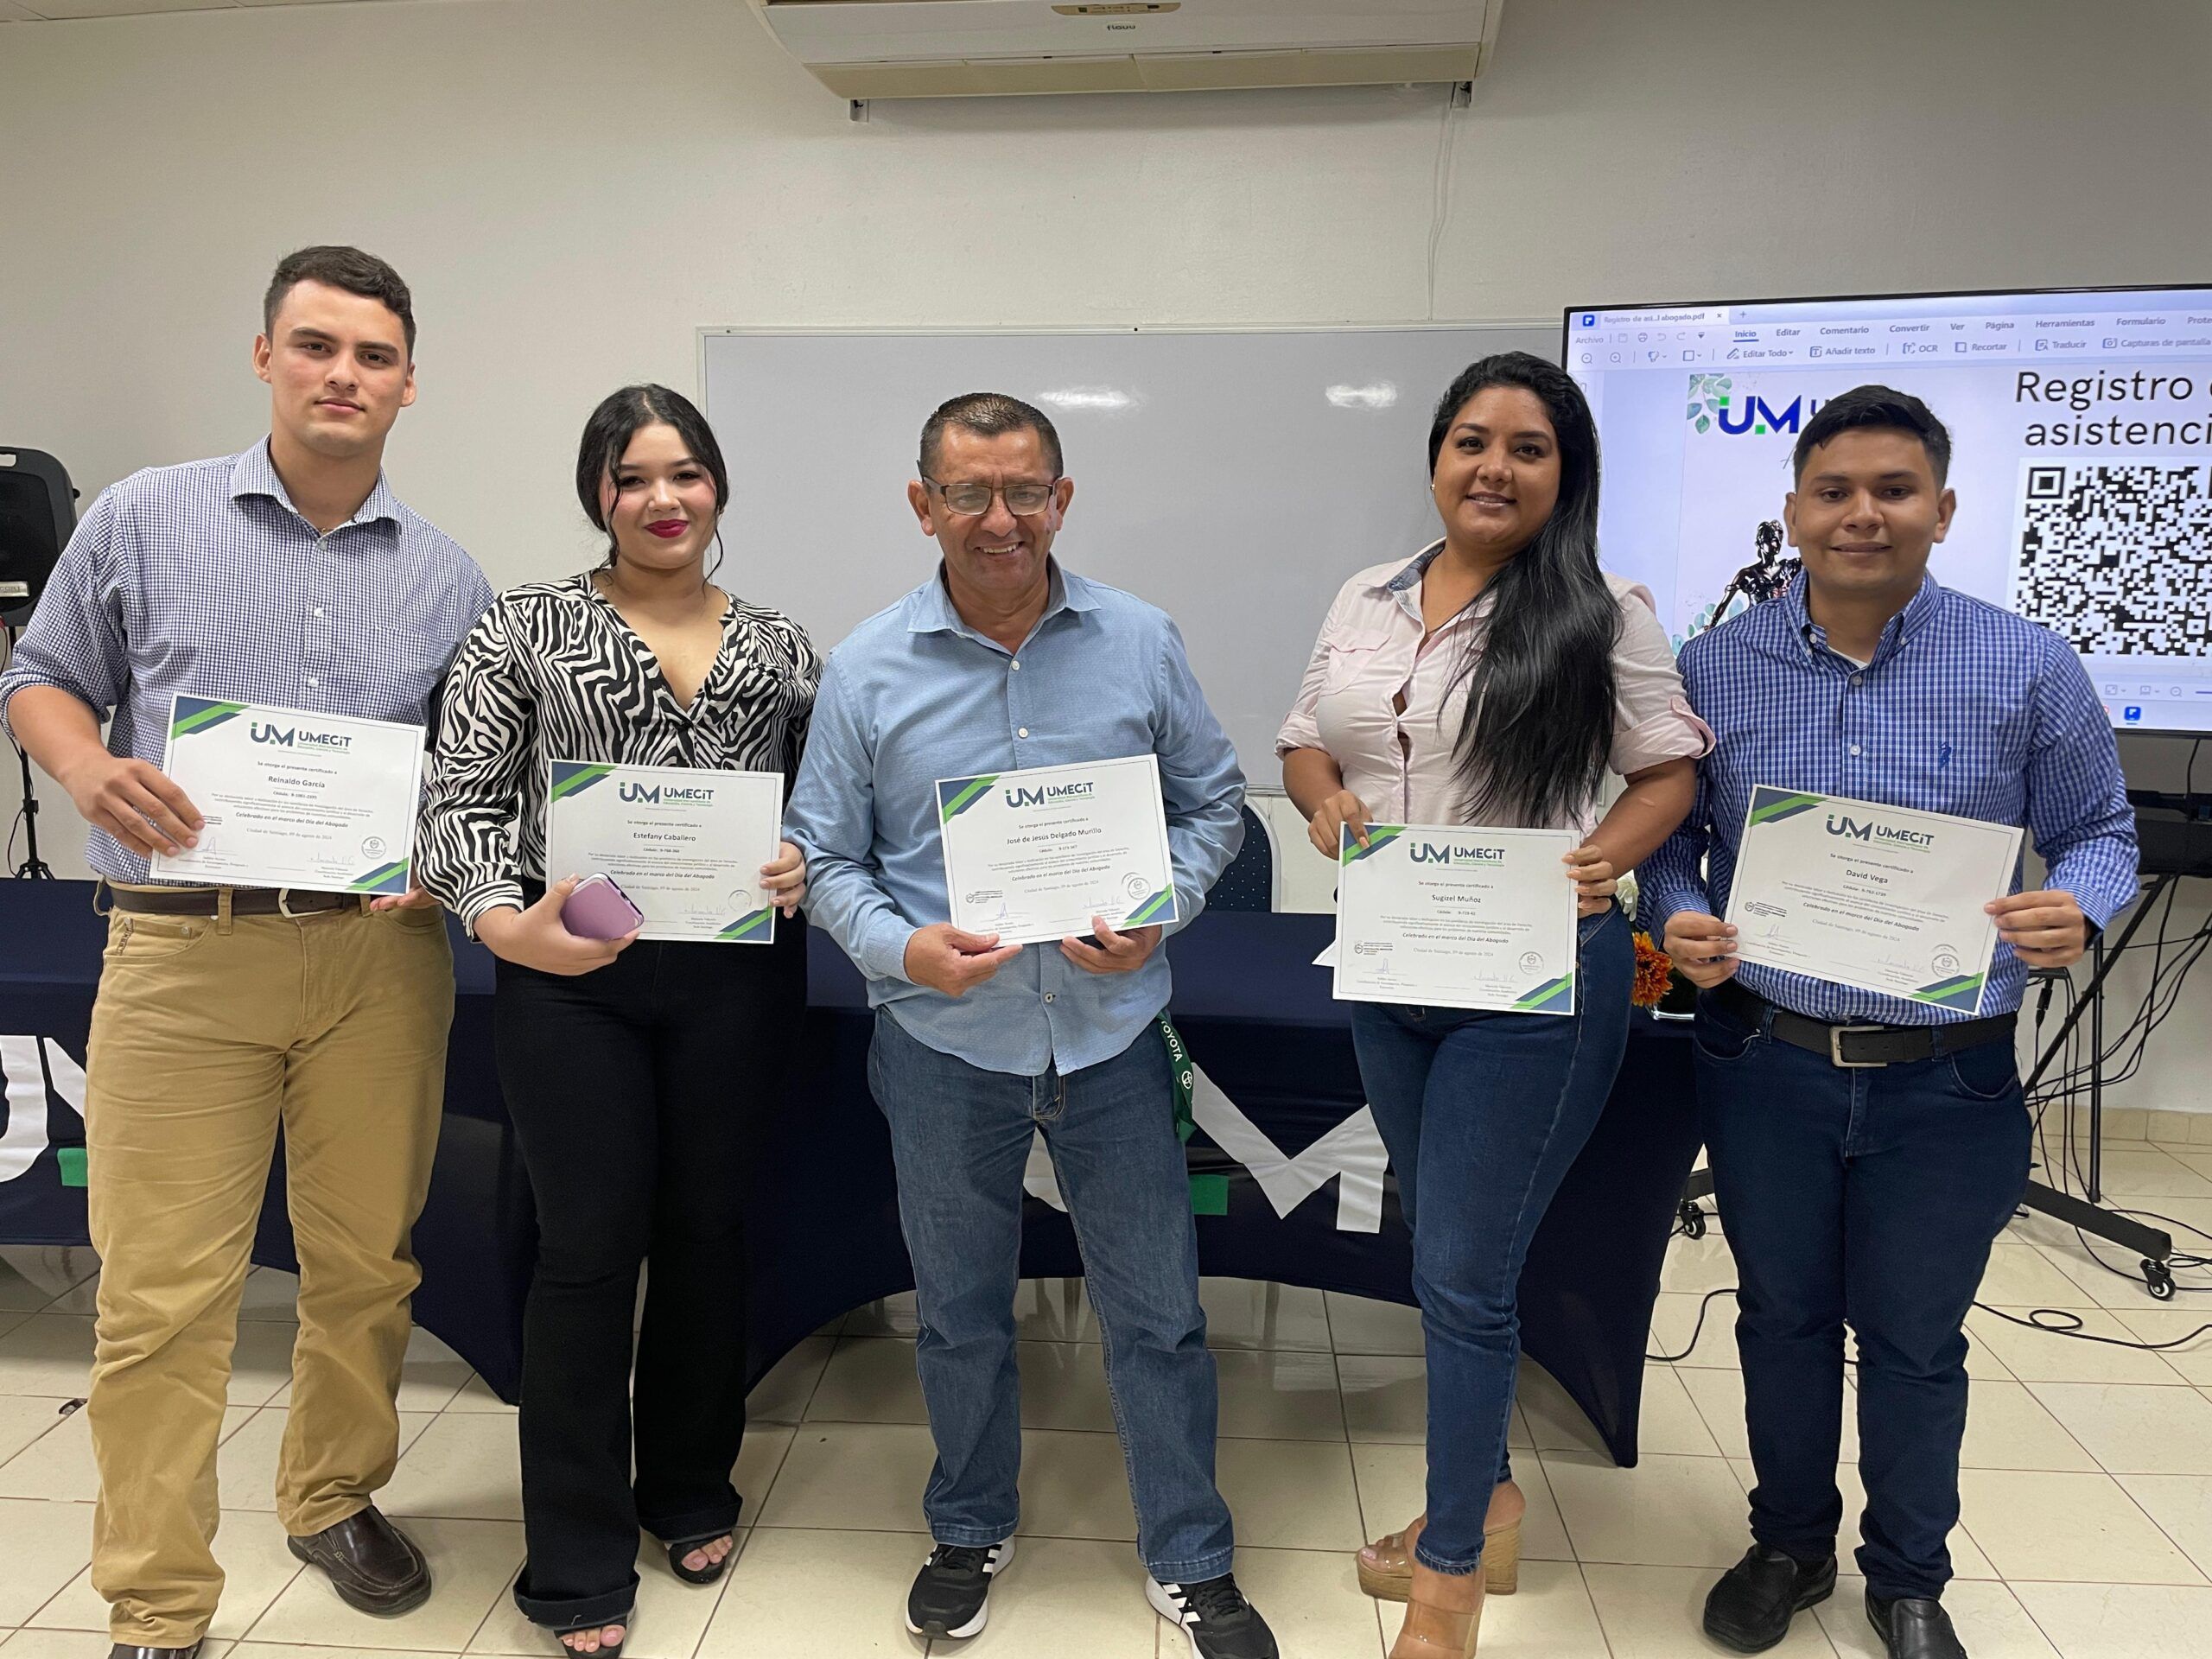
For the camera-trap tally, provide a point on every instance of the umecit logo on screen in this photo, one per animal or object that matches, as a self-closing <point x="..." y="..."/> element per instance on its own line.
<point x="1713" y="401"/>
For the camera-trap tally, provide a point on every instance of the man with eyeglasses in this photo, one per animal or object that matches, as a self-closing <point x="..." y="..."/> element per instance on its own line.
<point x="1004" y="660"/>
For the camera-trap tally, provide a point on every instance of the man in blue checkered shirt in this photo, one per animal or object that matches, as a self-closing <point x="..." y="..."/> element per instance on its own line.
<point x="1867" y="1149"/>
<point x="289" y="575"/>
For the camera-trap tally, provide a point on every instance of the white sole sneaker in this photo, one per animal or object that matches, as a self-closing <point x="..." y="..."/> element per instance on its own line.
<point x="974" y="1626"/>
<point x="1157" y="1595"/>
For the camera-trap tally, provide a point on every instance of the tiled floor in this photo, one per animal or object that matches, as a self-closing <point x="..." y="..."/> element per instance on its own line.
<point x="2088" y="1491"/>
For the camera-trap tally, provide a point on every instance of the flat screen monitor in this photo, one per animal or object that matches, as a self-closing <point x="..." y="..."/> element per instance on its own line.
<point x="2081" y="452"/>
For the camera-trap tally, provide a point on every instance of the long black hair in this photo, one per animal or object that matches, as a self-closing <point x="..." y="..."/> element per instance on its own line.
<point x="607" y="439"/>
<point x="1539" y="667"/>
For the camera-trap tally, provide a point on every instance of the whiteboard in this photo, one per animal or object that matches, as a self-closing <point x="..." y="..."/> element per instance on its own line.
<point x="1233" y="479"/>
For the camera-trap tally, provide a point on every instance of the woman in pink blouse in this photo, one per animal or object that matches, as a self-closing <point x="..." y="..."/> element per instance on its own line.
<point x="1492" y="679"/>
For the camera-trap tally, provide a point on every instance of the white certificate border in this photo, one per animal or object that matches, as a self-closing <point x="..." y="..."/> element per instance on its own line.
<point x="374" y="883"/>
<point x="1811" y="799"/>
<point x="1145" y="915"/>
<point x="746" y="930"/>
<point x="1538" y="1000"/>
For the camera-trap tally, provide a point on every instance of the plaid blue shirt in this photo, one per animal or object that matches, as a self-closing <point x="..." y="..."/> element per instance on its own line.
<point x="1965" y="708"/>
<point x="914" y="695"/>
<point x="204" y="579"/>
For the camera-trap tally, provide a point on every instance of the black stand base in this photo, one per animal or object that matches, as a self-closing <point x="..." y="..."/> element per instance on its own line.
<point x="2149" y="1243"/>
<point x="33" y="868"/>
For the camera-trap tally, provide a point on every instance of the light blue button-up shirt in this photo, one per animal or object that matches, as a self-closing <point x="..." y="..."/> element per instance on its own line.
<point x="914" y="695"/>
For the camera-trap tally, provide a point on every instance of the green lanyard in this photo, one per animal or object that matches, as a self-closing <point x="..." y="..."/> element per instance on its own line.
<point x="1209" y="1193"/>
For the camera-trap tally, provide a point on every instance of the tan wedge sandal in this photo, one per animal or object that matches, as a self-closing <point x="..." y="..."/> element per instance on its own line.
<point x="1386" y="1566"/>
<point x="1444" y="1612"/>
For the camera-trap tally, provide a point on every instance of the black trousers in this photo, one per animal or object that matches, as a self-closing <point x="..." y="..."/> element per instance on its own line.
<point x="634" y="1091"/>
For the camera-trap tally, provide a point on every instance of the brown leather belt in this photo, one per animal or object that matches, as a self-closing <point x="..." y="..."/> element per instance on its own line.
<point x="1856" y="1047"/>
<point x="244" y="901"/>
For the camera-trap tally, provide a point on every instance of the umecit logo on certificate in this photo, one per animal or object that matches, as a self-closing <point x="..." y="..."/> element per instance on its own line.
<point x="321" y="803"/>
<point x="685" y="844"/>
<point x="1455" y="918"/>
<point x="1033" y="856"/>
<point x="1879" y="898"/>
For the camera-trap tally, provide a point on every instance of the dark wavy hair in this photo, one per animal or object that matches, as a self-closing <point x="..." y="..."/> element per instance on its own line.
<point x="606" y="437"/>
<point x="346" y="269"/>
<point x="1539" y="667"/>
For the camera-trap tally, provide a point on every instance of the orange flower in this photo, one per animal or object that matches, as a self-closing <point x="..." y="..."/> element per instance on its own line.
<point x="1654" y="971"/>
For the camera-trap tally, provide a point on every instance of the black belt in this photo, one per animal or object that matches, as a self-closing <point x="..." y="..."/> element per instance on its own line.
<point x="244" y="901"/>
<point x="1856" y="1047"/>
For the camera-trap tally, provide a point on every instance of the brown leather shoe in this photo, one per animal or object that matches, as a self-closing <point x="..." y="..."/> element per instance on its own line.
<point x="126" y="1650"/>
<point x="371" y="1563"/>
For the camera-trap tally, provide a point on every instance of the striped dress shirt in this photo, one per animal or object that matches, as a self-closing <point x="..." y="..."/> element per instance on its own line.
<point x="204" y="579"/>
<point x="1964" y="708"/>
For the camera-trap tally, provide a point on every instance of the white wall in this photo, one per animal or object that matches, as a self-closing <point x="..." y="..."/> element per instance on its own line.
<point x="573" y="187"/>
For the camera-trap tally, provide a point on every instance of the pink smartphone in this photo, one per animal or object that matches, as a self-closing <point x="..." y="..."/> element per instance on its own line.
<point x="598" y="909"/>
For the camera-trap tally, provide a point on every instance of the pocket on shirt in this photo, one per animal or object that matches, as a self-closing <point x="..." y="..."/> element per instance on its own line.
<point x="1350" y="655"/>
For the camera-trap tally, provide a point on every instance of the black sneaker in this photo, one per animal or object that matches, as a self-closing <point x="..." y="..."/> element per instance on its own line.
<point x="952" y="1592"/>
<point x="1216" y="1620"/>
<point x="1751" y="1608"/>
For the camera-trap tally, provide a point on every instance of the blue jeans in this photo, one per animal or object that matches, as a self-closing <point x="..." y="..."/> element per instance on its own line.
<point x="961" y="1138"/>
<point x="1869" y="1198"/>
<point x="1483" y="1114"/>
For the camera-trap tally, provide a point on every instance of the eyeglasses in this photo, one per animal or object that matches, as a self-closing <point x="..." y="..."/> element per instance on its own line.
<point x="972" y="500"/>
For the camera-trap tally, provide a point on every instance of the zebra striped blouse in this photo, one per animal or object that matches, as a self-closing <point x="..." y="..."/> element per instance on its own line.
<point x="553" y="672"/>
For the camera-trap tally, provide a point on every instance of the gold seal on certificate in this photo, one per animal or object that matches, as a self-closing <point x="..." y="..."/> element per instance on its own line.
<point x="1883" y="899"/>
<point x="320" y="802"/>
<point x="1447" y="916"/>
<point x="686" y="844"/>
<point x="1033" y="856"/>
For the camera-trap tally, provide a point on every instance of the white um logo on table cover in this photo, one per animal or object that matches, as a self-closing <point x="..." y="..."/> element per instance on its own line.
<point x="1353" y="1150"/>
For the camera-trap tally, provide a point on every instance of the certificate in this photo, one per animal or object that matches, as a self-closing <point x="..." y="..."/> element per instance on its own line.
<point x="685" y="844"/>
<point x="1033" y="856"/>
<point x="1457" y="917"/>
<point x="322" y="802"/>
<point x="1879" y="898"/>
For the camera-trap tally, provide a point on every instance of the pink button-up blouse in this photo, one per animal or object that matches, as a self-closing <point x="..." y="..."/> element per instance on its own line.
<point x="1400" y="763"/>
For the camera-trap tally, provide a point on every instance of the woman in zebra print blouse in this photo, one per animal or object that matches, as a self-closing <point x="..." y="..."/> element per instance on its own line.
<point x="632" y="1071"/>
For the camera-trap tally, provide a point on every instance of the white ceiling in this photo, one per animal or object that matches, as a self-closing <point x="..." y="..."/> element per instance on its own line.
<point x="32" y="11"/>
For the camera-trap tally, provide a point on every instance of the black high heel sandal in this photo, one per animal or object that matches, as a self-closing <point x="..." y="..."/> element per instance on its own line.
<point x="604" y="1651"/>
<point x="707" y="1573"/>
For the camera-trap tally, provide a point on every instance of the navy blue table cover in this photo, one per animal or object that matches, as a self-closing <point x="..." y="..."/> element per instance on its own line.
<point x="824" y="1223"/>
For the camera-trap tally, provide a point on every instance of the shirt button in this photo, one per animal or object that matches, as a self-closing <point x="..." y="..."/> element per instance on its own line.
<point x="318" y="610"/>
<point x="1856" y="679"/>
<point x="312" y="681"/>
<point x="1017" y="664"/>
<point x="1050" y="995"/>
<point x="1022" y="731"/>
<point x="1854" y="748"/>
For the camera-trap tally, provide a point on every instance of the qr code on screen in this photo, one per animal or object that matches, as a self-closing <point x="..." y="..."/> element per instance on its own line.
<point x="2117" y="559"/>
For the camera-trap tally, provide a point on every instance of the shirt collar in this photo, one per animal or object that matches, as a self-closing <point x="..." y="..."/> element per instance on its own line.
<point x="1409" y="578"/>
<point x="930" y="609"/>
<point x="1400" y="588"/>
<point x="255" y="473"/>
<point x="1899" y="628"/>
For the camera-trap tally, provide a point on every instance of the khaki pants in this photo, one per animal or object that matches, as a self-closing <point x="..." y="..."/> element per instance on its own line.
<point x="207" y="1035"/>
